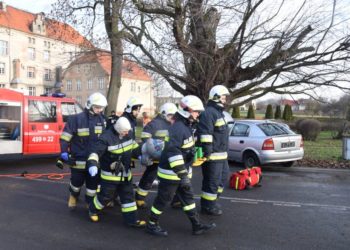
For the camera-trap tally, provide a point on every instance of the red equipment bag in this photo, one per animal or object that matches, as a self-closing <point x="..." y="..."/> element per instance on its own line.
<point x="246" y="178"/>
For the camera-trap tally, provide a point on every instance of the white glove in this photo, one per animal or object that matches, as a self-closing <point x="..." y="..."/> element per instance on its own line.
<point x="93" y="171"/>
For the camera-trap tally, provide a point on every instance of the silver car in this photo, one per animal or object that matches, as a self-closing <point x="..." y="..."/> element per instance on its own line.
<point x="259" y="142"/>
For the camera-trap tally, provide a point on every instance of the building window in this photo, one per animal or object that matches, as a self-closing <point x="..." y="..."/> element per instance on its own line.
<point x="69" y="85"/>
<point x="89" y="84"/>
<point x="101" y="83"/>
<point x="30" y="72"/>
<point x="133" y="87"/>
<point x="2" y="85"/>
<point x="2" y="68"/>
<point x="31" y="91"/>
<point x="47" y="75"/>
<point x="47" y="90"/>
<point x="79" y="85"/>
<point x="139" y="89"/>
<point x="46" y="55"/>
<point x="3" y="48"/>
<point x="31" y="53"/>
<point x="31" y="40"/>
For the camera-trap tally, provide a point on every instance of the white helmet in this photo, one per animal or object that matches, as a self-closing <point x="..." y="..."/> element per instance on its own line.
<point x="133" y="101"/>
<point x="188" y="103"/>
<point x="122" y="125"/>
<point x="96" y="99"/>
<point x="217" y="91"/>
<point x="168" y="109"/>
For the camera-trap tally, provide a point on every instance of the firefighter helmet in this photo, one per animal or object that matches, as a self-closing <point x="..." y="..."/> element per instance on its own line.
<point x="122" y="125"/>
<point x="168" y="109"/>
<point x="190" y="103"/>
<point x="217" y="91"/>
<point x="132" y="102"/>
<point x="96" y="99"/>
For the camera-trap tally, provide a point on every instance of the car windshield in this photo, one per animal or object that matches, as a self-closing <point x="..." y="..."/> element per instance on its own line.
<point x="271" y="129"/>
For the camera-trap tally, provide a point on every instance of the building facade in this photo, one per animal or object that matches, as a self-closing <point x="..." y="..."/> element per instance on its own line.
<point x="91" y="73"/>
<point x="33" y="48"/>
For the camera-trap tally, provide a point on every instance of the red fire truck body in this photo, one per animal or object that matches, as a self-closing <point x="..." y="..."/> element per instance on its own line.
<point x="31" y="125"/>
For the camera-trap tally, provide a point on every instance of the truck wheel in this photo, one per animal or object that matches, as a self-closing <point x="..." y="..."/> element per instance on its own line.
<point x="250" y="160"/>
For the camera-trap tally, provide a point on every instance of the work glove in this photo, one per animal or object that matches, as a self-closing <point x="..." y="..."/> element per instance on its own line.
<point x="65" y="156"/>
<point x="185" y="183"/>
<point x="93" y="171"/>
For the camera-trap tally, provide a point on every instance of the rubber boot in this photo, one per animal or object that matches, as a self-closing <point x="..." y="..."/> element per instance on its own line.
<point x="141" y="204"/>
<point x="155" y="229"/>
<point x="93" y="217"/>
<point x="137" y="224"/>
<point x="131" y="220"/>
<point x="198" y="228"/>
<point x="72" y="202"/>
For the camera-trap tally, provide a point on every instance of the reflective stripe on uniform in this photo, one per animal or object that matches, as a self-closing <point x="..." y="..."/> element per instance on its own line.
<point x="83" y="132"/>
<point x="156" y="211"/>
<point x="171" y="175"/>
<point x="129" y="207"/>
<point x="218" y="156"/>
<point x="75" y="189"/>
<point x="189" y="207"/>
<point x="121" y="148"/>
<point x="93" y="156"/>
<point x="145" y="135"/>
<point x="161" y="133"/>
<point x="206" y="138"/>
<point x="220" y="190"/>
<point x="112" y="177"/>
<point x="98" y="129"/>
<point x="79" y="165"/>
<point x="220" y="122"/>
<point x="135" y="145"/>
<point x="189" y="142"/>
<point x="97" y="203"/>
<point x="209" y="196"/>
<point x="90" y="192"/>
<point x="66" y="136"/>
<point x="176" y="160"/>
<point x="141" y="191"/>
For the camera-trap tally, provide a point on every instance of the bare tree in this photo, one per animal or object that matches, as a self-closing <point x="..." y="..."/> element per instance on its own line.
<point x="254" y="47"/>
<point x="87" y="14"/>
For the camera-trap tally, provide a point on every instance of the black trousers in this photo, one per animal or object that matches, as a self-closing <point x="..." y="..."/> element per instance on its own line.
<point x="77" y="180"/>
<point x="109" y="190"/>
<point x="166" y="192"/>
<point x="215" y="174"/>
<point x="146" y="181"/>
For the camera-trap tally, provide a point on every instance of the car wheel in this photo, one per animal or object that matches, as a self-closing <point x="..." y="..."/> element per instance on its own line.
<point x="250" y="160"/>
<point x="288" y="164"/>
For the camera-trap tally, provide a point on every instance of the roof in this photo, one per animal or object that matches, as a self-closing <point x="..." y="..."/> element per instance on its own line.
<point x="21" y="20"/>
<point x="130" y="70"/>
<point x="289" y="102"/>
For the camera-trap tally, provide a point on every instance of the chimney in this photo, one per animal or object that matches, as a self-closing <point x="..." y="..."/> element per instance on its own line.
<point x="58" y="82"/>
<point x="2" y="6"/>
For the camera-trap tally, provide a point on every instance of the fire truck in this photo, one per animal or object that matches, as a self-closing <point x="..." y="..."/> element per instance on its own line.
<point x="30" y="126"/>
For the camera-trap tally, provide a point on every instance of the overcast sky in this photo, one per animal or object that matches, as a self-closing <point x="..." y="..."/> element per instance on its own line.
<point x="33" y="6"/>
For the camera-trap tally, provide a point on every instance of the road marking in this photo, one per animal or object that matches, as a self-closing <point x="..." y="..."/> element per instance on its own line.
<point x="286" y="205"/>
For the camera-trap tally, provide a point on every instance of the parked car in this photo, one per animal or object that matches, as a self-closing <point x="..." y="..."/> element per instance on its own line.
<point x="260" y="142"/>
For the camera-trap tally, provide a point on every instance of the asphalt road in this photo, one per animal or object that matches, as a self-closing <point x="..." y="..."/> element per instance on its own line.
<point x="296" y="208"/>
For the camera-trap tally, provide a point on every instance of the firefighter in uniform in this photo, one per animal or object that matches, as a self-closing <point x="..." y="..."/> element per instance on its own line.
<point x="213" y="135"/>
<point x="79" y="133"/>
<point x="132" y="110"/>
<point x="174" y="171"/>
<point x="156" y="129"/>
<point x="112" y="152"/>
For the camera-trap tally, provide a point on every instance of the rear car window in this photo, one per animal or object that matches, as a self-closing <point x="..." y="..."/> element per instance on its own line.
<point x="271" y="129"/>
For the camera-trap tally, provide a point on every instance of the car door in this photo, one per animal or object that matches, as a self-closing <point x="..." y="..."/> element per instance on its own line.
<point x="238" y="140"/>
